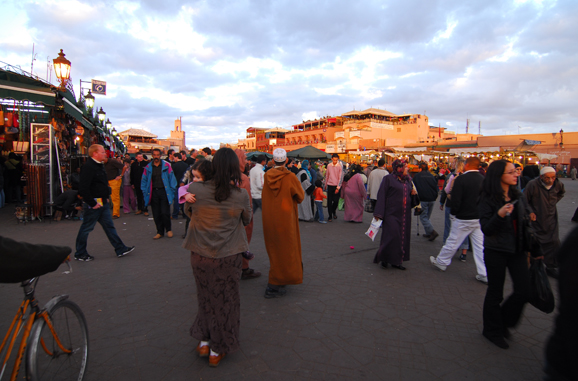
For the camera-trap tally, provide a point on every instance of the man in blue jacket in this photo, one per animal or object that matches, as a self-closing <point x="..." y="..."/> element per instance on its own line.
<point x="158" y="186"/>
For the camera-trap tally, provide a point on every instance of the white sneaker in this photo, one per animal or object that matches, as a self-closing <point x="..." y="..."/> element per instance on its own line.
<point x="436" y="264"/>
<point x="481" y="278"/>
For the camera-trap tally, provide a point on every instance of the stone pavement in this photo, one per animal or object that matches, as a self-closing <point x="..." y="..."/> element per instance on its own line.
<point x="349" y="319"/>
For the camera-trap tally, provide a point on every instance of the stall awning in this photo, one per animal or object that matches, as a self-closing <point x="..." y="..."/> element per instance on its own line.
<point x="474" y="150"/>
<point x="24" y="92"/>
<point x="409" y="149"/>
<point x="71" y="109"/>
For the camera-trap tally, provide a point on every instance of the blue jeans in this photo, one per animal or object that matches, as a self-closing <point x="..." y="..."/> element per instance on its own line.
<point x="176" y="206"/>
<point x="257" y="203"/>
<point x="319" y="212"/>
<point x="103" y="216"/>
<point x="424" y="217"/>
<point x="2" y="198"/>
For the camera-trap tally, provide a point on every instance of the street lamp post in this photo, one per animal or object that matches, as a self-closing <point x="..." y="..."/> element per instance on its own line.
<point x="62" y="69"/>
<point x="101" y="115"/>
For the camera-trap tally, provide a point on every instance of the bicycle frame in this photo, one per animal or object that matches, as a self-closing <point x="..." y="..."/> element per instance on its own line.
<point x="16" y="326"/>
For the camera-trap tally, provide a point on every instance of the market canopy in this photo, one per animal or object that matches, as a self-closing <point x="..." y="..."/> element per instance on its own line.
<point x="253" y="155"/>
<point x="72" y="109"/>
<point x="473" y="150"/>
<point x="409" y="149"/>
<point x="23" y="88"/>
<point x="309" y="152"/>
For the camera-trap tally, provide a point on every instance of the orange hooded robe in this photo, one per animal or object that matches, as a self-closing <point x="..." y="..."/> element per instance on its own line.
<point x="281" y="194"/>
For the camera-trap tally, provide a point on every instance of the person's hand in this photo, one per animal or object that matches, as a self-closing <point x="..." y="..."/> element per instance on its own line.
<point x="413" y="192"/>
<point x="118" y="177"/>
<point x="78" y="208"/>
<point x="96" y="206"/>
<point x="377" y="218"/>
<point x="181" y="184"/>
<point x="336" y="190"/>
<point x="190" y="198"/>
<point x="532" y="216"/>
<point x="132" y="186"/>
<point x="505" y="210"/>
<point x="441" y="206"/>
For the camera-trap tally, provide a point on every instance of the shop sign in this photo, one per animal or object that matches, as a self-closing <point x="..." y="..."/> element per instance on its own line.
<point x="340" y="134"/>
<point x="98" y="87"/>
<point x="354" y="133"/>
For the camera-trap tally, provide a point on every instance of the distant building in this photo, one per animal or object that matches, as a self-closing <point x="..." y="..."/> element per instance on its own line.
<point x="249" y="144"/>
<point x="177" y="140"/>
<point x="140" y="140"/>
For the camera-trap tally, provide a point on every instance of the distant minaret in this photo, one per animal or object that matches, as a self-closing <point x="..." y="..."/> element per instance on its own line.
<point x="178" y="135"/>
<point x="467" y="125"/>
<point x="480" y="127"/>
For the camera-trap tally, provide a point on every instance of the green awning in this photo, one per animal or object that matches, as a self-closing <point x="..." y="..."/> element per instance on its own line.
<point x="71" y="109"/>
<point x="24" y="92"/>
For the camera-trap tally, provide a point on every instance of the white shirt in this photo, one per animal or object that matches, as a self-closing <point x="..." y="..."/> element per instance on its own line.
<point x="374" y="182"/>
<point x="257" y="177"/>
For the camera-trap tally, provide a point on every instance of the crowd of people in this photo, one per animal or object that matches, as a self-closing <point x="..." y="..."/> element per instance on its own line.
<point x="488" y="208"/>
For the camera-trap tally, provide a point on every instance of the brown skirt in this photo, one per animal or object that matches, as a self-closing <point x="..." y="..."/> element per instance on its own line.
<point x="219" y="312"/>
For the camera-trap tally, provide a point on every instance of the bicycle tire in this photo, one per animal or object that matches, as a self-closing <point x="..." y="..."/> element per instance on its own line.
<point x="70" y="325"/>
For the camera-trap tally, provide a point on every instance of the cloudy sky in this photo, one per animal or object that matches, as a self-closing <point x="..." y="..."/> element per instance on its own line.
<point x="227" y="65"/>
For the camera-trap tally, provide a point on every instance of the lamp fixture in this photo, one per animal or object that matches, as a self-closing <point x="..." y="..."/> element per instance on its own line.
<point x="89" y="99"/>
<point x="108" y="124"/>
<point x="101" y="115"/>
<point x="62" y="69"/>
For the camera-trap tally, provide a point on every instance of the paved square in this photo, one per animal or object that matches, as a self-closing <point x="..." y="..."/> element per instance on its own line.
<point x="349" y="319"/>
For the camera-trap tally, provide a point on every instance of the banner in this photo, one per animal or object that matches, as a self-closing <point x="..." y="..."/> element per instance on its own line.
<point x="98" y="87"/>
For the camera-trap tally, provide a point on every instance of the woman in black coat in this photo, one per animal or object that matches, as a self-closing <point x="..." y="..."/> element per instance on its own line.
<point x="503" y="210"/>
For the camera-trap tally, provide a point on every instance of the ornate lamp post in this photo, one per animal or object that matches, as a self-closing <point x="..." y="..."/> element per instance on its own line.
<point x="89" y="98"/>
<point x="108" y="124"/>
<point x="62" y="69"/>
<point x="561" y="139"/>
<point x="101" y="115"/>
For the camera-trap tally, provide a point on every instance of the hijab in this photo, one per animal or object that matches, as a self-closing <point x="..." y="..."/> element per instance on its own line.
<point x="398" y="170"/>
<point x="305" y="166"/>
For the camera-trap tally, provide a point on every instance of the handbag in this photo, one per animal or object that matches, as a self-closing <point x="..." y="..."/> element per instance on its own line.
<point x="541" y="295"/>
<point x="341" y="204"/>
<point x="415" y="201"/>
<point x="368" y="206"/>
<point x="531" y="243"/>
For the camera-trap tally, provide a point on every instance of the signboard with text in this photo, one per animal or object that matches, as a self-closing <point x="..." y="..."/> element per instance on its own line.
<point x="98" y="87"/>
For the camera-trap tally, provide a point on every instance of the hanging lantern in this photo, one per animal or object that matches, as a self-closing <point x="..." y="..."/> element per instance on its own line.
<point x="101" y="115"/>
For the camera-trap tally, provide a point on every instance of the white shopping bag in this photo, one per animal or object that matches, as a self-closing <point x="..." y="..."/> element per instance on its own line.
<point x="373" y="228"/>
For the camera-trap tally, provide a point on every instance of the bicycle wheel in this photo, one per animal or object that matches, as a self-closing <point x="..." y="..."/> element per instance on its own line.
<point x="45" y="359"/>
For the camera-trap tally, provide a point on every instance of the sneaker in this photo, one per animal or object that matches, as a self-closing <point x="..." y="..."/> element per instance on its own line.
<point x="274" y="293"/>
<point x="462" y="257"/>
<point x="84" y="258"/>
<point x="127" y="251"/>
<point x="436" y="264"/>
<point x="481" y="278"/>
<point x="146" y="213"/>
<point x="322" y="222"/>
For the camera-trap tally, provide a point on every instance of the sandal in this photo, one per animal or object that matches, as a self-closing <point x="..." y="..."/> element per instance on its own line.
<point x="249" y="274"/>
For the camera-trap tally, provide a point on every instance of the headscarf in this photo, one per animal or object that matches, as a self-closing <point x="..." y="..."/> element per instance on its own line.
<point x="398" y="170"/>
<point x="353" y="170"/>
<point x="305" y="166"/>
<point x="242" y="159"/>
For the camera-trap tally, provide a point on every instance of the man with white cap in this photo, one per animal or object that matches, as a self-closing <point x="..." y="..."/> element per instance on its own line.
<point x="282" y="192"/>
<point x="543" y="193"/>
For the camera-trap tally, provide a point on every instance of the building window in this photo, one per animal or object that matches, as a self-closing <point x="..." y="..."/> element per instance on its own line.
<point x="399" y="130"/>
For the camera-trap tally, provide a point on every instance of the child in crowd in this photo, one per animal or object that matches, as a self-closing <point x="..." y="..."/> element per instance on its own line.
<point x="202" y="170"/>
<point x="318" y="197"/>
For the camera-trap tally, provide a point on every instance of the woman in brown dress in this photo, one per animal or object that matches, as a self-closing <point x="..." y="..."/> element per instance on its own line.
<point x="216" y="239"/>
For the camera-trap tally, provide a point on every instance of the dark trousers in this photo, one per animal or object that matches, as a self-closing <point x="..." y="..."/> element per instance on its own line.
<point x="497" y="317"/>
<point x="161" y="210"/>
<point x="332" y="201"/>
<point x="176" y="206"/>
<point x="140" y="199"/>
<point x="103" y="216"/>
<point x="575" y="217"/>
